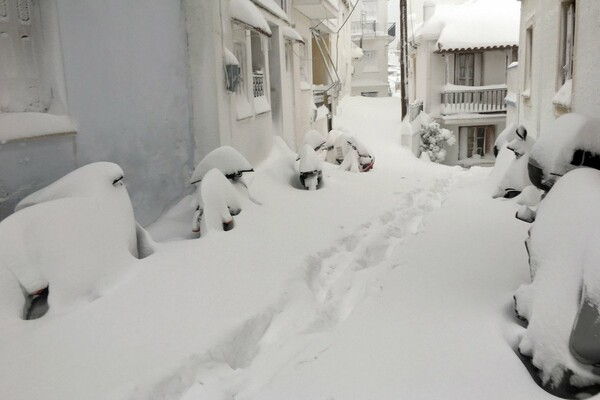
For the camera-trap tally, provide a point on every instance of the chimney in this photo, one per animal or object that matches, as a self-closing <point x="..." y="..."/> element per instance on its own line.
<point x="428" y="9"/>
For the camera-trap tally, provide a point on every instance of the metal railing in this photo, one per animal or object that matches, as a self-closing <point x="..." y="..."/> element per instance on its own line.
<point x="373" y="28"/>
<point x="258" y="84"/>
<point x="476" y="100"/>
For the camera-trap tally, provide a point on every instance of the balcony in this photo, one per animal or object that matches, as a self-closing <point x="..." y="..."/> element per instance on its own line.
<point x="473" y="99"/>
<point x="318" y="9"/>
<point x="372" y="28"/>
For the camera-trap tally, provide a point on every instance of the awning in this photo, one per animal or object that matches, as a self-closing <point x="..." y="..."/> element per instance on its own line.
<point x="246" y="13"/>
<point x="291" y="34"/>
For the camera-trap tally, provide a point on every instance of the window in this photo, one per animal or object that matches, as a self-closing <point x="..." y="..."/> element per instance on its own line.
<point x="260" y="86"/>
<point x="528" y="61"/>
<point x="476" y="141"/>
<point x="242" y="100"/>
<point x="369" y="61"/>
<point x="22" y="87"/>
<point x="304" y="64"/>
<point x="464" y="69"/>
<point x="567" y="41"/>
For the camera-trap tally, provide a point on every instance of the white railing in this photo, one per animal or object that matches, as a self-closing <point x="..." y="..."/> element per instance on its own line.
<point x="476" y="99"/>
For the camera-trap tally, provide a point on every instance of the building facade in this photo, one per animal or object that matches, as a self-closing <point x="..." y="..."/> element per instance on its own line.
<point x="458" y="58"/>
<point x="558" y="63"/>
<point x="372" y="33"/>
<point x="154" y="86"/>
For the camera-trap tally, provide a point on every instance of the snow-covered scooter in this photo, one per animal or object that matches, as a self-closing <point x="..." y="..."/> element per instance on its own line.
<point x="310" y="168"/>
<point x="217" y="196"/>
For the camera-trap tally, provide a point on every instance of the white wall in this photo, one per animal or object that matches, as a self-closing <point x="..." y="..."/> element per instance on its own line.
<point x="127" y="91"/>
<point x="537" y="111"/>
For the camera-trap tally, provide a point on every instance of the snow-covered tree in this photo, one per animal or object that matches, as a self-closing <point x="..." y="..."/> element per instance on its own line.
<point x="435" y="140"/>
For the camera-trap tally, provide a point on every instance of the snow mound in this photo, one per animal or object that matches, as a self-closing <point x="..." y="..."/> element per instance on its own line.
<point x="512" y="162"/>
<point x="506" y="136"/>
<point x="226" y="159"/>
<point x="556" y="146"/>
<point x="92" y="180"/>
<point x="77" y="237"/>
<point x="561" y="245"/>
<point x="309" y="162"/>
<point x="314" y="139"/>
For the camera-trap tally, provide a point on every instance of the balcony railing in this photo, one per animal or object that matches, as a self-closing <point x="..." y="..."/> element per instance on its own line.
<point x="258" y="84"/>
<point x="373" y="28"/>
<point x="476" y="99"/>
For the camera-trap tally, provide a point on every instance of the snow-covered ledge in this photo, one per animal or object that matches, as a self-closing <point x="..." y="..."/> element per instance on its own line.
<point x="28" y="125"/>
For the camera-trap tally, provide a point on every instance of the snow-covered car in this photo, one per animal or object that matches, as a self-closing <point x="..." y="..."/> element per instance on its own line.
<point x="561" y="304"/>
<point x="570" y="142"/>
<point x="71" y="241"/>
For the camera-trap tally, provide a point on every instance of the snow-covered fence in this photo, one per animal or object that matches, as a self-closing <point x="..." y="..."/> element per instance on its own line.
<point x="476" y="99"/>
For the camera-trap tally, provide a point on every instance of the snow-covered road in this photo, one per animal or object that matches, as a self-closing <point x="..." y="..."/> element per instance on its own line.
<point x="395" y="283"/>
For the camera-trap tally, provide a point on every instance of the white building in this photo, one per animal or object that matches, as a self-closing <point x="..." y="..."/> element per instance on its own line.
<point x="371" y="33"/>
<point x="559" y="63"/>
<point x="152" y="86"/>
<point x="458" y="59"/>
<point x="325" y="61"/>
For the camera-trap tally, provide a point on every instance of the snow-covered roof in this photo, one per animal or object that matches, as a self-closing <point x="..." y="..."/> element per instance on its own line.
<point x="291" y="34"/>
<point x="244" y="12"/>
<point x="474" y="25"/>
<point x="273" y="8"/>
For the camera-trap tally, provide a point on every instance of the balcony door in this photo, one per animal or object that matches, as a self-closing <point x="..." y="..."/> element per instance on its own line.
<point x="464" y="69"/>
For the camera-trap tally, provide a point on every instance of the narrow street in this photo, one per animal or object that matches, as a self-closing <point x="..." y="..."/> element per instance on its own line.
<point x="414" y="302"/>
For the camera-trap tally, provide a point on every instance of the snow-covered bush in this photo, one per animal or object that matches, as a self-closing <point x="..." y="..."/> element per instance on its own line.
<point x="435" y="140"/>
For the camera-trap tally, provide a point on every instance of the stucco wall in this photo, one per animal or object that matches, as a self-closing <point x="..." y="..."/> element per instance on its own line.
<point x="127" y="91"/>
<point x="587" y="59"/>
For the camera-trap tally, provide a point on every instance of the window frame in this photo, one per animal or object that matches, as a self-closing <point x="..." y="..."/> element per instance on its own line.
<point x="528" y="59"/>
<point x="568" y="24"/>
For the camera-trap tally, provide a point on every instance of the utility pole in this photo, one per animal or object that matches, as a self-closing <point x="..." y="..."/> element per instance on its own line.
<point x="403" y="57"/>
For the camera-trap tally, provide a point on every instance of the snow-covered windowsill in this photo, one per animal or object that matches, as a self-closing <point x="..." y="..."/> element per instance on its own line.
<point x="29" y="125"/>
<point x="563" y="98"/>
